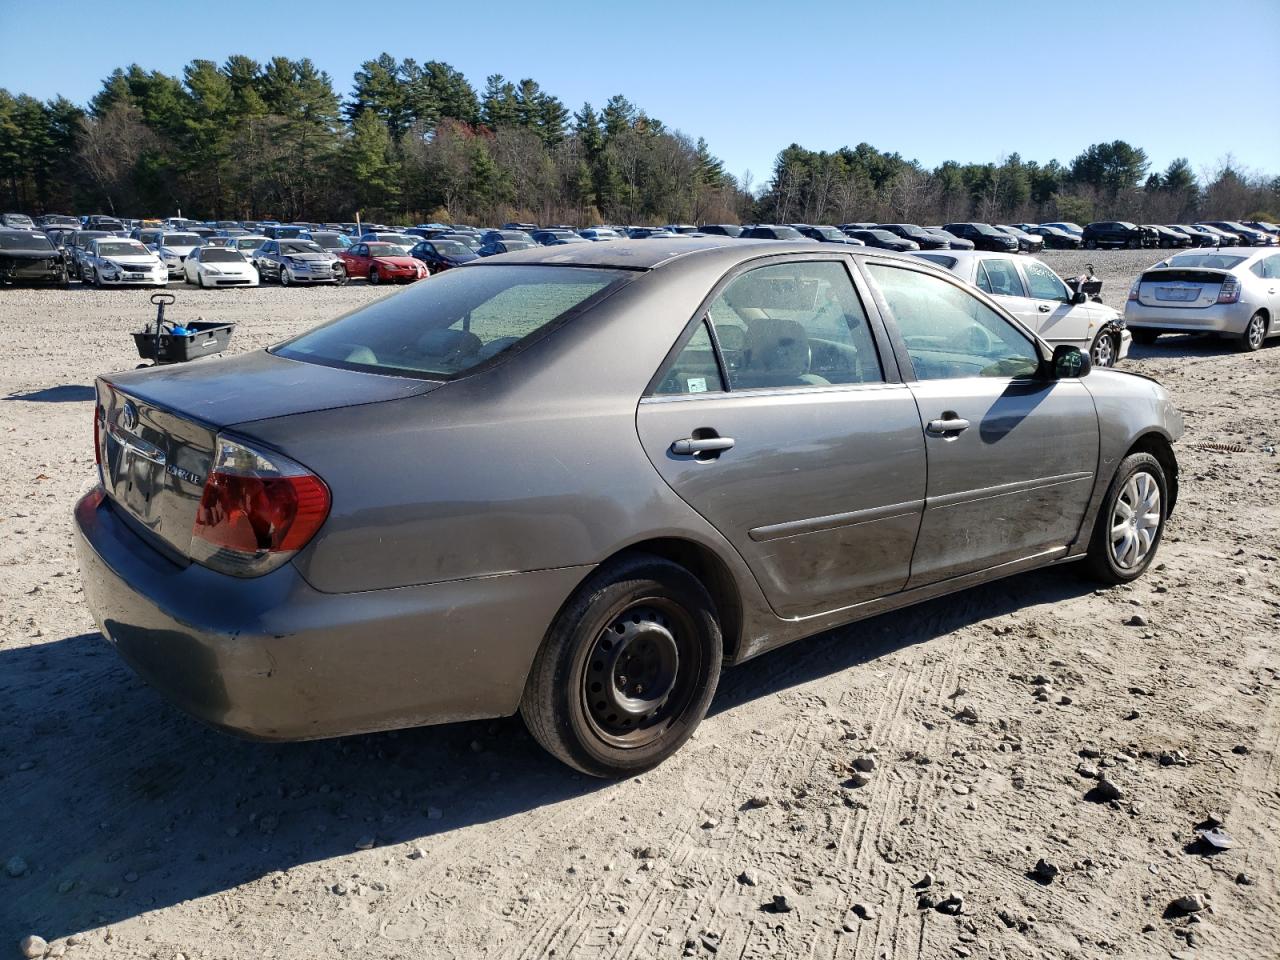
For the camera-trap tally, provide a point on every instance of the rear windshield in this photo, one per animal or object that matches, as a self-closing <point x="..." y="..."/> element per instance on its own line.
<point x="24" y="241"/>
<point x="939" y="258"/>
<point x="221" y="255"/>
<point x="1209" y="261"/>
<point x="460" y="319"/>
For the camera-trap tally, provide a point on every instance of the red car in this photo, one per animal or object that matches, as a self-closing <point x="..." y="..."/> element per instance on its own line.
<point x="382" y="262"/>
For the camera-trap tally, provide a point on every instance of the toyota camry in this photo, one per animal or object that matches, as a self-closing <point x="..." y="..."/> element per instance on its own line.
<point x="576" y="482"/>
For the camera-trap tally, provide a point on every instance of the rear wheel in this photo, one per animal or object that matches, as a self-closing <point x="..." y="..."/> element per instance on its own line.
<point x="1130" y="522"/>
<point x="1254" y="335"/>
<point x="1104" y="349"/>
<point x="627" y="670"/>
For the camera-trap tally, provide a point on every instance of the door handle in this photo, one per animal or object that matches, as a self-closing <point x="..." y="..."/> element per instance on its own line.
<point x="948" y="424"/>
<point x="1043" y="307"/>
<point x="693" y="446"/>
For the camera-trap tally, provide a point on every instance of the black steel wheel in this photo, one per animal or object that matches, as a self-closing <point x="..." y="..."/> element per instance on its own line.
<point x="627" y="670"/>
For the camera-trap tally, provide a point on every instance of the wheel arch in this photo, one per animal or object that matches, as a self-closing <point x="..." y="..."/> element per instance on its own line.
<point x="703" y="562"/>
<point x="1159" y="446"/>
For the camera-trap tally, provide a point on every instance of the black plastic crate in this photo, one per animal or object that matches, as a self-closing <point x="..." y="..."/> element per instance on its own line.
<point x="203" y="339"/>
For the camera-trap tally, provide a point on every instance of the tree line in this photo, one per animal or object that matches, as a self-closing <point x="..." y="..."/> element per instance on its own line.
<point x="413" y="142"/>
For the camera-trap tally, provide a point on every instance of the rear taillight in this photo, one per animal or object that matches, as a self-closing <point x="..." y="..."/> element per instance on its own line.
<point x="1133" y="289"/>
<point x="1229" y="291"/>
<point x="258" y="509"/>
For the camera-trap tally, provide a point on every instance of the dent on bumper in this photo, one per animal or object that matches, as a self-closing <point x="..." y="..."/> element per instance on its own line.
<point x="274" y="659"/>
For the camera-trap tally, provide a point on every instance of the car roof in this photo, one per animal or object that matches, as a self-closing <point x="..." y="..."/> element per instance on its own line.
<point x="649" y="254"/>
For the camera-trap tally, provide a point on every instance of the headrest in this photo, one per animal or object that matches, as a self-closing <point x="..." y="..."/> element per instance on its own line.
<point x="777" y="347"/>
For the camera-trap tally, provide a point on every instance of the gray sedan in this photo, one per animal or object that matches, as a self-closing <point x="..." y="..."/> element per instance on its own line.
<point x="576" y="481"/>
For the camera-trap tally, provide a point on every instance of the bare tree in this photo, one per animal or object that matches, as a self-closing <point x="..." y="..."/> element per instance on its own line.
<point x="110" y="148"/>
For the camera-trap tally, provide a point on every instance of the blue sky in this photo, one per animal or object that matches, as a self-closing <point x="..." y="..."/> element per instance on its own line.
<point x="956" y="80"/>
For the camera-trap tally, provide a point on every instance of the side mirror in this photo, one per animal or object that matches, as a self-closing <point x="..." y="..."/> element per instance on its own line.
<point x="1070" y="363"/>
<point x="1079" y="297"/>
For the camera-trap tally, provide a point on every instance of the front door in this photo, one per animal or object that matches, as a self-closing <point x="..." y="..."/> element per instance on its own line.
<point x="792" y="438"/>
<point x="1011" y="456"/>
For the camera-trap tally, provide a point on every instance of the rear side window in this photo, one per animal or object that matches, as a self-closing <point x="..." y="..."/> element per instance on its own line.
<point x="1001" y="278"/>
<point x="695" y="369"/>
<point x="462" y="318"/>
<point x="794" y="324"/>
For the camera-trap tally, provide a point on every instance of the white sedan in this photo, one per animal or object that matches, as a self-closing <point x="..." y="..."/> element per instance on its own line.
<point x="219" y="267"/>
<point x="116" y="261"/>
<point x="1040" y="299"/>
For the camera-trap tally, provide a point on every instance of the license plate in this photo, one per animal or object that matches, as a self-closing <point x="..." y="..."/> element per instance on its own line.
<point x="1177" y="293"/>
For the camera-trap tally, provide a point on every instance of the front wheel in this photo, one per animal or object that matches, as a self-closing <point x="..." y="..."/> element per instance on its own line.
<point x="1104" y="349"/>
<point x="628" y="669"/>
<point x="285" y="278"/>
<point x="373" y="276"/>
<point x="1254" y="334"/>
<point x="1130" y="522"/>
<point x="1091" y="244"/>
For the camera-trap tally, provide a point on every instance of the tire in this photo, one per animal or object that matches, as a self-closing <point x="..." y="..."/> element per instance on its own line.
<point x="284" y="277"/>
<point x="1103" y="350"/>
<point x="1254" y="334"/>
<point x="1120" y="551"/>
<point x="199" y="279"/>
<point x="1091" y="244"/>
<point x="1144" y="337"/>
<point x="97" y="279"/>
<point x="609" y="727"/>
<point x="373" y="276"/>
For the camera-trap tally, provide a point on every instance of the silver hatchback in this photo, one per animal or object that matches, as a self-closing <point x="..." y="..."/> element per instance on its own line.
<point x="1232" y="293"/>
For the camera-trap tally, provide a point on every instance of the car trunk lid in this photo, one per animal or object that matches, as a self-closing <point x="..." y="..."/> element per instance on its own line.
<point x="1181" y="288"/>
<point x="157" y="429"/>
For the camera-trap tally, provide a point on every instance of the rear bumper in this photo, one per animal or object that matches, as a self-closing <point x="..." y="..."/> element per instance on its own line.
<point x="272" y="658"/>
<point x="1220" y="318"/>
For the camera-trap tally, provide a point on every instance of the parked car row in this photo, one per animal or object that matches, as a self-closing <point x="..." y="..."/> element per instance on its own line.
<point x="1205" y="233"/>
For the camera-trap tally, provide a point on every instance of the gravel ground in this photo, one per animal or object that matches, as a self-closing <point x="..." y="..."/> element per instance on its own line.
<point x="128" y="829"/>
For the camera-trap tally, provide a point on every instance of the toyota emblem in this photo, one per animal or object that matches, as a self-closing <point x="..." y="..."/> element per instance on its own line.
<point x="129" y="416"/>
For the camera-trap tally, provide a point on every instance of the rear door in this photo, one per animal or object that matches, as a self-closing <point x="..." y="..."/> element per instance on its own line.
<point x="1011" y="456"/>
<point x="791" y="435"/>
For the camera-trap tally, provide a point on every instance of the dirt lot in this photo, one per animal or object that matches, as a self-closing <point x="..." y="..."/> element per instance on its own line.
<point x="134" y="831"/>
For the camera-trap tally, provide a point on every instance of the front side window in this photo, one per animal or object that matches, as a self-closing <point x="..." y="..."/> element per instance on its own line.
<point x="462" y="318"/>
<point x="793" y="325"/>
<point x="694" y="369"/>
<point x="1043" y="283"/>
<point x="1001" y="278"/>
<point x="950" y="334"/>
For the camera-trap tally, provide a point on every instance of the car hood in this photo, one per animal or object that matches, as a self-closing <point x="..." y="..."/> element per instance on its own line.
<point x="307" y="257"/>
<point x="145" y="259"/>
<point x="29" y="254"/>
<point x="178" y="251"/>
<point x="224" y="391"/>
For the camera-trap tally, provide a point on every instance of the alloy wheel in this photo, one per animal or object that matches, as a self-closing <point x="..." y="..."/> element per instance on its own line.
<point x="1104" y="353"/>
<point x="1135" y="520"/>
<point x="1256" y="332"/>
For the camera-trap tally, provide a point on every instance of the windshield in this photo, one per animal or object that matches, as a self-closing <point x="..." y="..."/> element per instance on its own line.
<point x="249" y="243"/>
<point x="450" y="248"/>
<point x="460" y="319"/>
<point x="123" y="248"/>
<point x="220" y="255"/>
<point x="24" y="241"/>
<point x="1210" y="261"/>
<point x="831" y="233"/>
<point x="181" y="240"/>
<point x="299" y="246"/>
<point x="327" y="239"/>
<point x="385" y="250"/>
<point x="985" y="230"/>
